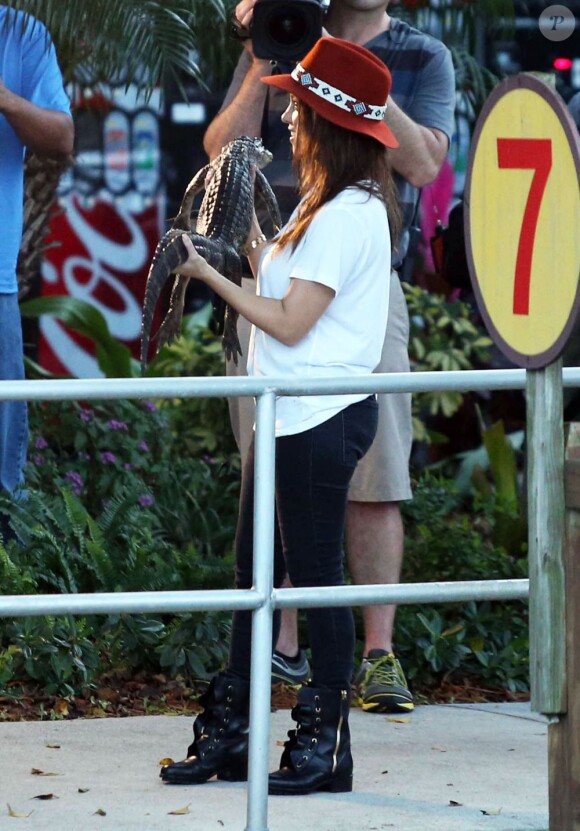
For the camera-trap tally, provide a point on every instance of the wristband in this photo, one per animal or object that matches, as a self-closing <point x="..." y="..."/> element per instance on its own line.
<point x="253" y="244"/>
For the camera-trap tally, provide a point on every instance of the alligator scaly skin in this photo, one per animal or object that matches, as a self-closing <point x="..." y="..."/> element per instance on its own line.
<point x="220" y="233"/>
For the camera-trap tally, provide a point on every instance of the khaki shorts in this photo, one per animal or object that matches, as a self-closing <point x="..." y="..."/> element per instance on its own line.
<point x="383" y="474"/>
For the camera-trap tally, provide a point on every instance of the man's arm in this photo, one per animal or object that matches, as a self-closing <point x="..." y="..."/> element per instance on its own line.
<point x="243" y="107"/>
<point x="425" y="127"/>
<point x="45" y="132"/>
<point x="422" y="149"/>
<point x="241" y="112"/>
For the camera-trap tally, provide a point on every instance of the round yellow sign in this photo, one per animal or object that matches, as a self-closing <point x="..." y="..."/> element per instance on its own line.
<point x="522" y="219"/>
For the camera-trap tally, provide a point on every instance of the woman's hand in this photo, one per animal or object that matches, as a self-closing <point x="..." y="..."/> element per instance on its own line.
<point x="195" y="265"/>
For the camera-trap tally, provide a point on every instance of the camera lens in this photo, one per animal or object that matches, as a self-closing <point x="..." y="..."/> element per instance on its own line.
<point x="288" y="29"/>
<point x="284" y="30"/>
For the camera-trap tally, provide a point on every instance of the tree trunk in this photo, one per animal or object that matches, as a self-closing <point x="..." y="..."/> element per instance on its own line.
<point x="41" y="178"/>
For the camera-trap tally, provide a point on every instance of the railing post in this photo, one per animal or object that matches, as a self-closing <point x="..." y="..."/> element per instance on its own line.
<point x="545" y="449"/>
<point x="261" y="667"/>
<point x="563" y="735"/>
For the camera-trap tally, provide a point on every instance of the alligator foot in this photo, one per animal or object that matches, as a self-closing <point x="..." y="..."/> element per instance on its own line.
<point x="230" y="340"/>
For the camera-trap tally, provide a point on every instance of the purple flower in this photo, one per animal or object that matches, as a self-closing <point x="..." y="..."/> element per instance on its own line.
<point x="145" y="500"/>
<point x="108" y="458"/>
<point x="150" y="406"/>
<point x="41" y="443"/>
<point x="37" y="460"/>
<point x="75" y="480"/>
<point x="116" y="425"/>
<point x="143" y="446"/>
<point x="127" y="466"/>
<point x="85" y="415"/>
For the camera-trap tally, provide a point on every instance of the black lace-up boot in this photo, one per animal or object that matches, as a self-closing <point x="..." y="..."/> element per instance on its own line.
<point x="317" y="754"/>
<point x="220" y="736"/>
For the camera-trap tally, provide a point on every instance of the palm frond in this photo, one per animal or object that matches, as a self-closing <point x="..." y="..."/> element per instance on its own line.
<point x="133" y="41"/>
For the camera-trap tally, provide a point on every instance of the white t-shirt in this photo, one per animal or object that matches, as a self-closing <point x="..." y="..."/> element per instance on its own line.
<point x="348" y="248"/>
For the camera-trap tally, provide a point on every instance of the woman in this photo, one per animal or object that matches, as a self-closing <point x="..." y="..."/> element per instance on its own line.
<point x="321" y="311"/>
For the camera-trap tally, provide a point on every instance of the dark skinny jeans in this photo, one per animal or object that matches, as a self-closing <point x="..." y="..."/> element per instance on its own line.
<point x="313" y="473"/>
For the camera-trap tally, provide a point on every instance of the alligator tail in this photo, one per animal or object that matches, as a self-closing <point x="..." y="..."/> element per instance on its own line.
<point x="169" y="254"/>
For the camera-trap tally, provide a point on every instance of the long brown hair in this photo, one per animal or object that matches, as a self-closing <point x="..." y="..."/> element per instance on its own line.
<point x="328" y="159"/>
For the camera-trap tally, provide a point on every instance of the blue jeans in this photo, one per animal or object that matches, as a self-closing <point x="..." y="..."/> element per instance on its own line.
<point x="313" y="472"/>
<point x="13" y="414"/>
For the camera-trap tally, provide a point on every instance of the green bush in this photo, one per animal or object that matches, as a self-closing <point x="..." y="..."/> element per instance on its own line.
<point x="449" y="540"/>
<point x="442" y="336"/>
<point x="122" y="496"/>
<point x="137" y="496"/>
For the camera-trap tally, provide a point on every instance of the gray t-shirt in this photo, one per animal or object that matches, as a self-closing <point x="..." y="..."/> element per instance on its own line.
<point x="423" y="87"/>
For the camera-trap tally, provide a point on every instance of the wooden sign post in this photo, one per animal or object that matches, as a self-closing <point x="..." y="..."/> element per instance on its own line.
<point x="522" y="229"/>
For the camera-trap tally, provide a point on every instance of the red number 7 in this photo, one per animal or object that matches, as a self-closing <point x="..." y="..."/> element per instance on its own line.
<point x="536" y="155"/>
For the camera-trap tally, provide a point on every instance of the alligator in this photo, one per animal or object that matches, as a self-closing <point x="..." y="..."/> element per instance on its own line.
<point x="220" y="235"/>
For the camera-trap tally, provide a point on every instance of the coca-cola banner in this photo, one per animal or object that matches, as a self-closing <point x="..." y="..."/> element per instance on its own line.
<point x="108" y="222"/>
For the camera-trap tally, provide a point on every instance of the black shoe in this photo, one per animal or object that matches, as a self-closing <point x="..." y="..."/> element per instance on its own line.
<point x="317" y="754"/>
<point x="220" y="744"/>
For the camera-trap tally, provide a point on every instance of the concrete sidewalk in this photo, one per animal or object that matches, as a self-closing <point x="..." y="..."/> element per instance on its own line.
<point x="448" y="768"/>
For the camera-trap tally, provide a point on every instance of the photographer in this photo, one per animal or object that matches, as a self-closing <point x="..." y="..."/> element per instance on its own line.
<point x="420" y="113"/>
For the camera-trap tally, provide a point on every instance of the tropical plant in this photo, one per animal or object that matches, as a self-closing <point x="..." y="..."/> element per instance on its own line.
<point x="202" y="424"/>
<point x="443" y="337"/>
<point x="115" y="502"/>
<point x="131" y="41"/>
<point x="450" y="537"/>
<point x="493" y="473"/>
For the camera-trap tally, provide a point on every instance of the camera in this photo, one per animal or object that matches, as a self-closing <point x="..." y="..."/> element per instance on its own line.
<point x="283" y="30"/>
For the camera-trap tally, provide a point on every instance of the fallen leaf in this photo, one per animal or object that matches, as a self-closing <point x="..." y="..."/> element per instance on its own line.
<point x="100" y="813"/>
<point x="53" y="746"/>
<point x="167" y="760"/>
<point x="490" y="813"/>
<point x="12" y="813"/>
<point x="400" y="720"/>
<point x="280" y="744"/>
<point x="37" y="772"/>
<point x="83" y="790"/>
<point x="107" y="694"/>
<point x="454" y="804"/>
<point x="61" y="707"/>
<point x="440" y="749"/>
<point x="45" y="796"/>
<point x="96" y="711"/>
<point x="181" y="810"/>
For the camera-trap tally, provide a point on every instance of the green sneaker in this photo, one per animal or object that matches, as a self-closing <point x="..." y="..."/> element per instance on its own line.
<point x="381" y="685"/>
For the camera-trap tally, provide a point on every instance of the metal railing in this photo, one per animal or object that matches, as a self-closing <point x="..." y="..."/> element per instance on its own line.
<point x="263" y="599"/>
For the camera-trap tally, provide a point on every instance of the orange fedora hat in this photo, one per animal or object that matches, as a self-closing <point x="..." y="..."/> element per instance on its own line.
<point x="344" y="83"/>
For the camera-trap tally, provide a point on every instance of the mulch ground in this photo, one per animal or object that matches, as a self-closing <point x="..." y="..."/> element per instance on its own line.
<point x="119" y="697"/>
